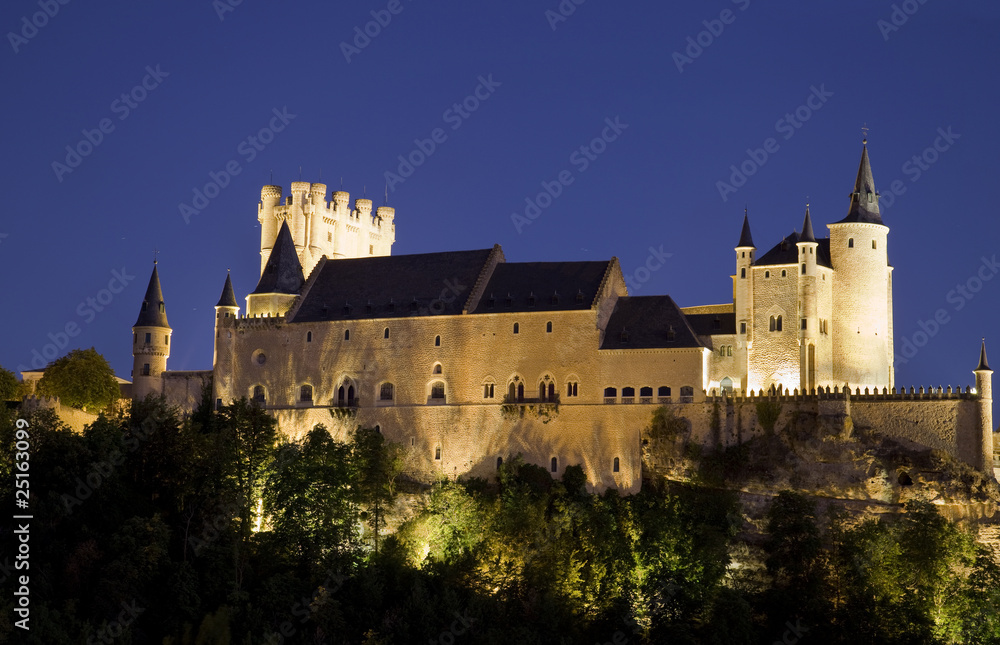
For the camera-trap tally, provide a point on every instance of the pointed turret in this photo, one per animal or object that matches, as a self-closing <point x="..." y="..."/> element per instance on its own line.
<point x="228" y="298"/>
<point x="807" y="229"/>
<point x="864" y="198"/>
<point x="746" y="240"/>
<point x="983" y="365"/>
<point x="153" y="312"/>
<point x="283" y="272"/>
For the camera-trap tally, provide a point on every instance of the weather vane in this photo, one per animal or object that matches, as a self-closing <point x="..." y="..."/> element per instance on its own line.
<point x="155" y="253"/>
<point x="864" y="132"/>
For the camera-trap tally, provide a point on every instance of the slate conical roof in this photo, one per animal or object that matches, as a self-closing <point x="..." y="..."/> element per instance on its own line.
<point x="807" y="229"/>
<point x="283" y="272"/>
<point x="983" y="365"/>
<point x="745" y="238"/>
<point x="228" y="297"/>
<point x="153" y="312"/>
<point x="864" y="199"/>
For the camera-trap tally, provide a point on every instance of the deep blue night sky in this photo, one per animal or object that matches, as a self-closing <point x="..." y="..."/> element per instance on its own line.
<point x="215" y="82"/>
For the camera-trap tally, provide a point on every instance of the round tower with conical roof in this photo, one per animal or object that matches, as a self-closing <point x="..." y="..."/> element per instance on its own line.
<point x="226" y="312"/>
<point x="150" y="341"/>
<point x="862" y="289"/>
<point x="743" y="299"/>
<point x="984" y="389"/>
<point x="808" y="323"/>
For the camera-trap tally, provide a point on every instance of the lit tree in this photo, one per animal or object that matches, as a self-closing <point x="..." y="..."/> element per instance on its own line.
<point x="81" y="379"/>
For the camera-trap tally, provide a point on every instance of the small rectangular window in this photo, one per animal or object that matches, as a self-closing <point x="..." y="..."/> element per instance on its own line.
<point x="743" y="328"/>
<point x="803" y="323"/>
<point x="149" y="338"/>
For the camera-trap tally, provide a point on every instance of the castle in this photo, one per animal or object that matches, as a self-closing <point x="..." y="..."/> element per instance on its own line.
<point x="467" y="360"/>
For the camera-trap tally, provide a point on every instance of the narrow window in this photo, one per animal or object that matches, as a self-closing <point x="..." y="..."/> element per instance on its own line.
<point x="145" y="369"/>
<point x="783" y="273"/>
<point x="744" y="254"/>
<point x="437" y="391"/>
<point x="548" y="327"/>
<point x="218" y="404"/>
<point x="258" y="393"/>
<point x="779" y="324"/>
<point x="722" y="350"/>
<point x="437" y="368"/>
<point x="437" y="453"/>
<point x="329" y="236"/>
<point x="552" y="391"/>
<point x="166" y="339"/>
<point x="767" y="274"/>
<point x="729" y="350"/>
<point x="772" y="325"/>
<point x="743" y="328"/>
<point x="803" y="324"/>
<point x="378" y="428"/>
<point x="386" y="392"/>
<point x="615" y="466"/>
<point x="161" y="307"/>
<point x="149" y="338"/>
<point x="309" y="337"/>
<point x="850" y="243"/>
<point x="347" y="334"/>
<point x="437" y="341"/>
<point x="743" y="272"/>
<point x="385" y="333"/>
<point x="306" y="393"/>
<point x="874" y="245"/>
<point x="555" y="464"/>
<point x="488" y="390"/>
<point x="371" y="249"/>
<point x="520" y="392"/>
<point x="541" y="391"/>
<point x="516" y="328"/>
<point x="803" y="269"/>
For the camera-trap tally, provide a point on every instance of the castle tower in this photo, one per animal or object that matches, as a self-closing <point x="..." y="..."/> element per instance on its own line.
<point x="862" y="289"/>
<point x="150" y="341"/>
<point x="226" y="312"/>
<point x="270" y="198"/>
<point x="808" y="323"/>
<point x="280" y="281"/>
<point x="984" y="386"/>
<point x="743" y="299"/>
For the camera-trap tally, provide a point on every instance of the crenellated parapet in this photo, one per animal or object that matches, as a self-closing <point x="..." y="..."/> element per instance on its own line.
<point x="322" y="227"/>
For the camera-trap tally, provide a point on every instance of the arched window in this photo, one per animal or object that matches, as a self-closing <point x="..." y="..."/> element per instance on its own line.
<point x="258" y="393"/>
<point x="437" y="368"/>
<point x="309" y="337"/>
<point x="775" y="323"/>
<point x="437" y="391"/>
<point x="767" y="274"/>
<point x="850" y="243"/>
<point x="743" y="272"/>
<point x="628" y="391"/>
<point x="520" y="392"/>
<point x="488" y="390"/>
<point x="726" y="384"/>
<point x="548" y="327"/>
<point x="645" y="391"/>
<point x="663" y="390"/>
<point x="516" y="328"/>
<point x="552" y="391"/>
<point x="350" y="395"/>
<point x="555" y="464"/>
<point x="385" y="333"/>
<point x="378" y="428"/>
<point x="437" y="453"/>
<point x="386" y="392"/>
<point x="341" y="393"/>
<point x="722" y="350"/>
<point x="511" y="392"/>
<point x="615" y="466"/>
<point x="687" y="394"/>
<point x="783" y="273"/>
<point x="306" y="393"/>
<point x="729" y="350"/>
<point x="803" y="269"/>
<point x="610" y="395"/>
<point x="347" y="334"/>
<point x="437" y="341"/>
<point x="572" y="388"/>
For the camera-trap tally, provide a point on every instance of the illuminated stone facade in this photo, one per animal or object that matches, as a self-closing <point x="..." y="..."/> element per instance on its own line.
<point x="468" y="360"/>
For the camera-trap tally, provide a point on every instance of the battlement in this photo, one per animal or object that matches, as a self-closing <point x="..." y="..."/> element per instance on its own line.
<point x="259" y="322"/>
<point x="938" y="393"/>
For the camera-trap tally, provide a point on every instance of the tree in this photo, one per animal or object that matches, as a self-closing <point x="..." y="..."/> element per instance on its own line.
<point x="81" y="379"/>
<point x="379" y="465"/>
<point x="250" y="437"/>
<point x="10" y="388"/>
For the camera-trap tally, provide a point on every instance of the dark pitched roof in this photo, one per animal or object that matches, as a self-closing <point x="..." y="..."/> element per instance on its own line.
<point x="153" y="312"/>
<point x="283" y="272"/>
<point x="395" y="286"/>
<point x="228" y="297"/>
<point x="709" y="324"/>
<point x="807" y="228"/>
<point x="864" y="199"/>
<point x="642" y="322"/>
<point x="785" y="252"/>
<point x="983" y="365"/>
<point x="745" y="238"/>
<point x="542" y="286"/>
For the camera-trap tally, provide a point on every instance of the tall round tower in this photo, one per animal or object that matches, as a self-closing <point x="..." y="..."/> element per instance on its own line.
<point x="984" y="388"/>
<point x="862" y="289"/>
<point x="743" y="299"/>
<point x="150" y="342"/>
<point x="808" y="322"/>
<point x="226" y="312"/>
<point x="270" y="197"/>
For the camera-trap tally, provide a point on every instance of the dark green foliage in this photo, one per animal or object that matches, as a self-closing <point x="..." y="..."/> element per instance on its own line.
<point x="81" y="379"/>
<point x="768" y="412"/>
<point x="10" y="387"/>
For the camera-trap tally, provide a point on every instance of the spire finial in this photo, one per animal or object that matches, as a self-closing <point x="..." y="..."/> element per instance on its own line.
<point x="864" y="133"/>
<point x="155" y="253"/>
<point x="984" y="366"/>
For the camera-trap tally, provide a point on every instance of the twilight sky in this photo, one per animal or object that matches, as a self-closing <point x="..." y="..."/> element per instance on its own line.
<point x="115" y="113"/>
